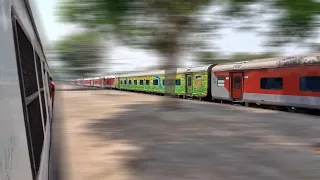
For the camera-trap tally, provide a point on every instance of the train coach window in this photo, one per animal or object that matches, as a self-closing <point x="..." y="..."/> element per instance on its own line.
<point x="33" y="118"/>
<point x="271" y="83"/>
<point x="121" y="82"/>
<point x="198" y="81"/>
<point x="135" y="82"/>
<point x="310" y="83"/>
<point x="37" y="135"/>
<point x="147" y="82"/>
<point x="27" y="62"/>
<point x="155" y="82"/>
<point x="220" y="81"/>
<point x="178" y="82"/>
<point x="39" y="70"/>
<point x="129" y="82"/>
<point x="236" y="82"/>
<point x="141" y="82"/>
<point x="38" y="61"/>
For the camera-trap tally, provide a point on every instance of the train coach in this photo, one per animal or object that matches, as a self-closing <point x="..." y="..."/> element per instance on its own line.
<point x="109" y="82"/>
<point x="97" y="82"/>
<point x="292" y="82"/>
<point x="150" y="81"/>
<point x="189" y="82"/>
<point x="87" y="82"/>
<point x="26" y="105"/>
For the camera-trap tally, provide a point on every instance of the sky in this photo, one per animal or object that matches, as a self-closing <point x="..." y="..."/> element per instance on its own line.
<point x="131" y="59"/>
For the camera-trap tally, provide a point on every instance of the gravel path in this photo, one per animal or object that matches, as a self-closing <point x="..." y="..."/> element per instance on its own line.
<point x="115" y="135"/>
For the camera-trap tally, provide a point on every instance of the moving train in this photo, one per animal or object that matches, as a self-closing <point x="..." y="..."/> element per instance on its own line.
<point x="26" y="105"/>
<point x="284" y="82"/>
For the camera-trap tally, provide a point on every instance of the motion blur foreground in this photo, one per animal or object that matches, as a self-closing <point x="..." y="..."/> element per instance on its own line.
<point x="26" y="104"/>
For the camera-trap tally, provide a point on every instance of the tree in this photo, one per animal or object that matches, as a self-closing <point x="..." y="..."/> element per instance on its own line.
<point x="80" y="53"/>
<point x="161" y="25"/>
<point x="166" y="26"/>
<point x="206" y="57"/>
<point x="293" y="21"/>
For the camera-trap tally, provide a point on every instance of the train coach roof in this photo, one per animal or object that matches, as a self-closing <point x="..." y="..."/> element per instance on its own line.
<point x="270" y="62"/>
<point x="110" y="76"/>
<point x="145" y="73"/>
<point x="198" y="68"/>
<point x="150" y="73"/>
<point x="181" y="70"/>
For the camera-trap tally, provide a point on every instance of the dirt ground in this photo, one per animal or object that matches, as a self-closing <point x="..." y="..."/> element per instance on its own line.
<point x="115" y="135"/>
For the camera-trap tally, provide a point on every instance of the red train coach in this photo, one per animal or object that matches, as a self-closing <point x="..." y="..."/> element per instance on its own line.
<point x="109" y="82"/>
<point x="289" y="82"/>
<point x="97" y="82"/>
<point x="87" y="82"/>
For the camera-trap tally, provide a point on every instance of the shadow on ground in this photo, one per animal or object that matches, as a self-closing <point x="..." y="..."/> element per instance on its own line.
<point x="213" y="142"/>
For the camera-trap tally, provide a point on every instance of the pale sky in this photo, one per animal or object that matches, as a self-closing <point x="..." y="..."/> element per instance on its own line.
<point x="129" y="59"/>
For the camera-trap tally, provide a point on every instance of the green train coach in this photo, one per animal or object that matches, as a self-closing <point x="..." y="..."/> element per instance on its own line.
<point x="190" y="82"/>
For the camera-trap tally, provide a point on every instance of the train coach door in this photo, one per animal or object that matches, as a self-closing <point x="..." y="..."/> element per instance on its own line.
<point x="189" y="84"/>
<point x="237" y="85"/>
